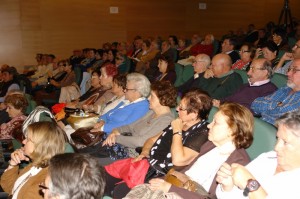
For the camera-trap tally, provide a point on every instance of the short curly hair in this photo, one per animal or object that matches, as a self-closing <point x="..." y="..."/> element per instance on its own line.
<point x="199" y="102"/>
<point x="17" y="100"/>
<point x="120" y="80"/>
<point x="240" y="120"/>
<point x="165" y="92"/>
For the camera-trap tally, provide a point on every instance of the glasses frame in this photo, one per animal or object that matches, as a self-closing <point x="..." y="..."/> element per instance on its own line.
<point x="181" y="109"/>
<point x="244" y="51"/>
<point x="254" y="69"/>
<point x="293" y="69"/>
<point x="42" y="186"/>
<point x="129" y="89"/>
<point x="297" y="46"/>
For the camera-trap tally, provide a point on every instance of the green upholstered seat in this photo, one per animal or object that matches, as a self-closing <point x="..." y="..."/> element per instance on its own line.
<point x="264" y="138"/>
<point x="279" y="80"/>
<point x="243" y="74"/>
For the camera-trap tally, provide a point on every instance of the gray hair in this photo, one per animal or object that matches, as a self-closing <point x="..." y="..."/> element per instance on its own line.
<point x="76" y="176"/>
<point x="268" y="66"/>
<point x="206" y="59"/>
<point x="141" y="83"/>
<point x="291" y="120"/>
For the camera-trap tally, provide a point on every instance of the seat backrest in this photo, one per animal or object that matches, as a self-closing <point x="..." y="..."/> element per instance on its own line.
<point x="264" y="138"/>
<point x="243" y="74"/>
<point x="212" y="112"/>
<point x="279" y="80"/>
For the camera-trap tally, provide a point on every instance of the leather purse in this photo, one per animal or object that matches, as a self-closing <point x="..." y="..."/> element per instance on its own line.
<point x="77" y="121"/>
<point x="83" y="137"/>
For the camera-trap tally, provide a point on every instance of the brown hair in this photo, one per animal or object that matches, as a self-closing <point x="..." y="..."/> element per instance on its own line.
<point x="165" y="92"/>
<point x="240" y="120"/>
<point x="169" y="60"/>
<point x="120" y="80"/>
<point x="17" y="100"/>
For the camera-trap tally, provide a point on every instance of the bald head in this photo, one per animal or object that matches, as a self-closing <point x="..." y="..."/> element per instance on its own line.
<point x="221" y="64"/>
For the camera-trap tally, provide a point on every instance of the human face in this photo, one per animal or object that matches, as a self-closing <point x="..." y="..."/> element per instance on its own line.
<point x="296" y="50"/>
<point x="287" y="148"/>
<point x="294" y="75"/>
<point x="144" y="47"/>
<point x="28" y="144"/>
<point x="208" y="40"/>
<point x="181" y="43"/>
<point x="219" y="131"/>
<point x="187" y="118"/>
<point x="217" y="67"/>
<point x="45" y="187"/>
<point x="6" y="76"/>
<point x="245" y="53"/>
<point x="117" y="90"/>
<point x="199" y="65"/>
<point x="91" y="54"/>
<point x="226" y="47"/>
<point x="162" y="65"/>
<point x="105" y="80"/>
<point x="110" y="56"/>
<point x="269" y="55"/>
<point x="257" y="72"/>
<point x="12" y="111"/>
<point x="153" y="100"/>
<point x="165" y="46"/>
<point x="95" y="80"/>
<point x="171" y="41"/>
<point x="277" y="39"/>
<point x="131" y="93"/>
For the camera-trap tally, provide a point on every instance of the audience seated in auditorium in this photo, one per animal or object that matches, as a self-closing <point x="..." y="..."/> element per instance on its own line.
<point x="185" y="53"/>
<point x="80" y="177"/>
<point x="287" y="59"/>
<point x="252" y="34"/>
<point x="126" y="112"/>
<point x="166" y="69"/>
<point x="129" y="137"/>
<point x="221" y="80"/>
<point x="200" y="64"/>
<point x="262" y="38"/>
<point x="89" y="59"/>
<point x="283" y="100"/>
<point x="204" y="47"/>
<point x="173" y="41"/>
<point x="137" y="48"/>
<point x="42" y="141"/>
<point x="247" y="53"/>
<point x="15" y="103"/>
<point x="178" y="144"/>
<point x="228" y="47"/>
<point x="227" y="143"/>
<point x="272" y="174"/>
<point x="280" y="39"/>
<point x="259" y="84"/>
<point x="268" y="50"/>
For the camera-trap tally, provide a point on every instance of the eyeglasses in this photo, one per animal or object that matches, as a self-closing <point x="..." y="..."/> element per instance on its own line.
<point x="130" y="89"/>
<point x="95" y="76"/>
<point x="254" y="69"/>
<point x="42" y="186"/>
<point x="180" y="108"/>
<point x="197" y="61"/>
<point x="293" y="69"/>
<point x="297" y="46"/>
<point x="244" y="51"/>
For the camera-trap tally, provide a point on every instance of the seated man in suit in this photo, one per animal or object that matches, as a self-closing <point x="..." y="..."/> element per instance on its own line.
<point x="285" y="99"/>
<point x="200" y="64"/>
<point x="228" y="47"/>
<point x="221" y="81"/>
<point x="259" y="84"/>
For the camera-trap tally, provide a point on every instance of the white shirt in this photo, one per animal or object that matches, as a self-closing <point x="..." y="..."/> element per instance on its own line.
<point x="281" y="185"/>
<point x="259" y="83"/>
<point x="204" y="173"/>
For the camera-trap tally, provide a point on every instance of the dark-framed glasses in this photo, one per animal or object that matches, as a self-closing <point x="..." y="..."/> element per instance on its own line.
<point x="244" y="51"/>
<point x="254" y="69"/>
<point x="293" y="69"/>
<point x="42" y="186"/>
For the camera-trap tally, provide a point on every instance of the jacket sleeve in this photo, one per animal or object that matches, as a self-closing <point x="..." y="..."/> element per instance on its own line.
<point x="9" y="178"/>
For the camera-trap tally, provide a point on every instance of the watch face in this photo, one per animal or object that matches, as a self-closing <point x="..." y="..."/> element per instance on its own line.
<point x="253" y="185"/>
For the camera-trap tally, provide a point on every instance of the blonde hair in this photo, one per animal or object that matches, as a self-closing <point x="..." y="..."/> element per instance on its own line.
<point x="48" y="139"/>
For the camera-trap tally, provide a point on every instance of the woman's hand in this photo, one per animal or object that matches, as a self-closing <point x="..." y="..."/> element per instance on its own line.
<point x="111" y="139"/>
<point x="224" y="177"/>
<point x="159" y="184"/>
<point x="17" y="156"/>
<point x="240" y="175"/>
<point x="258" y="53"/>
<point x="177" y="125"/>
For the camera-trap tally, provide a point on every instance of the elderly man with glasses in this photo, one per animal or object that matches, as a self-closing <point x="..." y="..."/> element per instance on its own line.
<point x="259" y="84"/>
<point x="284" y="100"/>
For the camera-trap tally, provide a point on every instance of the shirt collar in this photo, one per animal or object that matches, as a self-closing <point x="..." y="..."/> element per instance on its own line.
<point x="259" y="83"/>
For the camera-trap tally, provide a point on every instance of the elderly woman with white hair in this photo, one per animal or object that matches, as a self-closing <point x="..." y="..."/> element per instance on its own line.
<point x="134" y="107"/>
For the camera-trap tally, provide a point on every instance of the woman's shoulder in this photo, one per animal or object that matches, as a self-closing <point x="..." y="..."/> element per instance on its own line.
<point x="239" y="156"/>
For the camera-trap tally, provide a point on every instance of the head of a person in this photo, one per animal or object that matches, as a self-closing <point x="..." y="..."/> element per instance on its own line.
<point x="154" y="45"/>
<point x="106" y="46"/>
<point x="247" y="52"/>
<point x="99" y="54"/>
<point x="42" y="141"/>
<point x="260" y="70"/>
<point x="251" y="27"/>
<point x="221" y="64"/>
<point x="296" y="50"/>
<point x="288" y="141"/>
<point x="65" y="64"/>
<point x="137" y="86"/>
<point x="163" y="93"/>
<point x="122" y="46"/>
<point x="279" y="35"/>
<point x="16" y="104"/>
<point x="201" y="63"/>
<point x="50" y="58"/>
<point x="261" y="33"/>
<point x="108" y="71"/>
<point x="195" y="39"/>
<point x="111" y="55"/>
<point x="182" y="43"/>
<point x="208" y="39"/>
<point x="165" y="64"/>
<point x="165" y="45"/>
<point x="81" y="176"/>
<point x="9" y="73"/>
<point x="195" y="105"/>
<point x="294" y="75"/>
<point x="270" y="50"/>
<point x="119" y="85"/>
<point x="38" y="57"/>
<point x="95" y="78"/>
<point x="146" y="45"/>
<point x="232" y="123"/>
<point x="229" y="44"/>
<point x="137" y="42"/>
<point x="120" y="59"/>
<point x="173" y="40"/>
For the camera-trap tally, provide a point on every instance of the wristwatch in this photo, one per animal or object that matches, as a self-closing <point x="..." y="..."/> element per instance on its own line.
<point x="252" y="185"/>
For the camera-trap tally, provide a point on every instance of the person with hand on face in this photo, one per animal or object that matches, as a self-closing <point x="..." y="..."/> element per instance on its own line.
<point x="42" y="141"/>
<point x="270" y="175"/>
